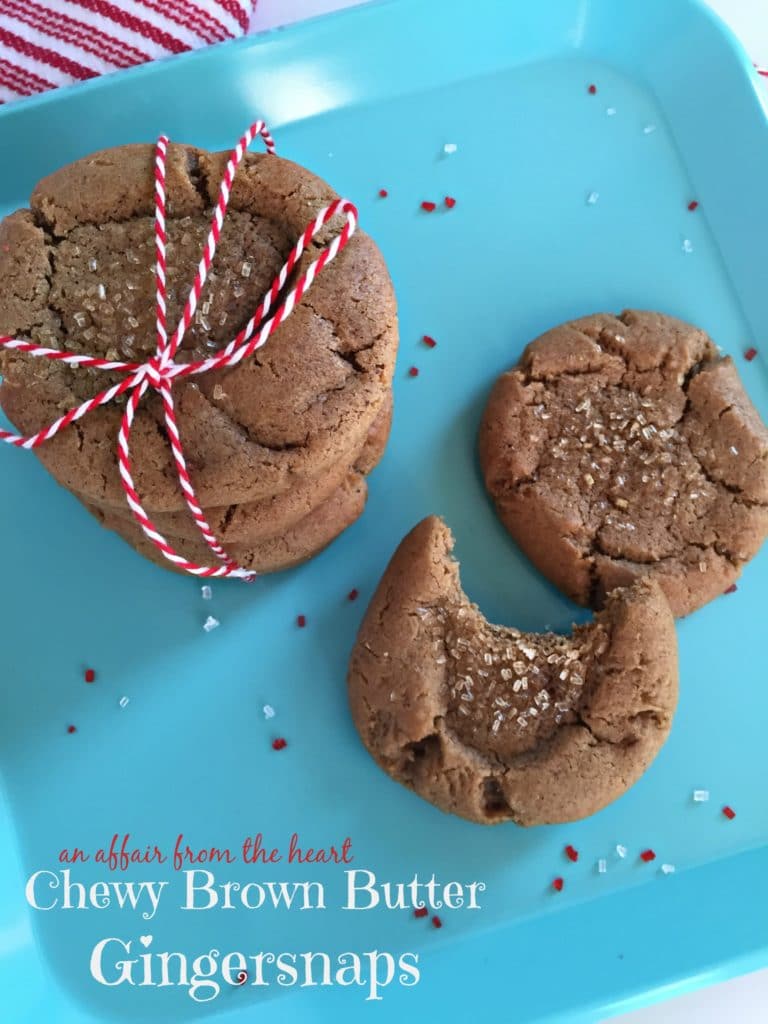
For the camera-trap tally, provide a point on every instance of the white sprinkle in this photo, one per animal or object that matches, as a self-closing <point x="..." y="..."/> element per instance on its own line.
<point x="246" y="268"/>
<point x="610" y="111"/>
<point x="621" y="850"/>
<point x="734" y="450"/>
<point x="211" y="623"/>
<point x="687" y="246"/>
<point x="92" y="264"/>
<point x="592" y="198"/>
<point x="649" y="129"/>
<point x="133" y="321"/>
<point x="667" y="869"/>
<point x="269" y="711"/>
<point x="206" y="591"/>
<point x="124" y="701"/>
<point x="700" y="796"/>
<point x="602" y="866"/>
<point x="496" y="725"/>
<point x="81" y="319"/>
<point x="218" y="392"/>
<point x="450" y="147"/>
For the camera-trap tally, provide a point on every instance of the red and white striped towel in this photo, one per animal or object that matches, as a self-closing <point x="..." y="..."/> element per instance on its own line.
<point x="48" y="43"/>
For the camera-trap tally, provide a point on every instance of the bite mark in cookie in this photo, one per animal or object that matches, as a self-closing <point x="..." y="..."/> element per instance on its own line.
<point x="494" y="724"/>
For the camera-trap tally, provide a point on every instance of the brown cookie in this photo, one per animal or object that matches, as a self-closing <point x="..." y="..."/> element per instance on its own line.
<point x="256" y="521"/>
<point x="76" y="274"/>
<point x="622" y="447"/>
<point x="302" y="541"/>
<point x="497" y="725"/>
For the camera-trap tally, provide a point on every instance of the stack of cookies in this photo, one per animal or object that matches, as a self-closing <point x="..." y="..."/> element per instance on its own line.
<point x="278" y="447"/>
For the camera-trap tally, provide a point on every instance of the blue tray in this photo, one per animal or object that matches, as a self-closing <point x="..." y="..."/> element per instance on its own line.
<point x="368" y="99"/>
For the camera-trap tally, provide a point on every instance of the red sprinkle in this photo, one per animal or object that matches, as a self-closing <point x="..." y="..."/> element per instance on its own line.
<point x="592" y="90"/>
<point x="450" y="202"/>
<point x="558" y="884"/>
<point x="71" y="728"/>
<point x="436" y="922"/>
<point x="429" y="342"/>
<point x="90" y="675"/>
<point x="693" y="205"/>
<point x="413" y="372"/>
<point x="428" y="207"/>
<point x="383" y="193"/>
<point x="242" y="977"/>
<point x="353" y="594"/>
<point x="729" y="812"/>
<point x="750" y="354"/>
<point x="647" y="856"/>
<point x="571" y="853"/>
<point x="420" y="912"/>
<point x="731" y="590"/>
<point x="301" y="621"/>
<point x="279" y="743"/>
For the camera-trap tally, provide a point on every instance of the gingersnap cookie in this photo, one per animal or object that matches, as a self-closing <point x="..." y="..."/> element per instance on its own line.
<point x="76" y="274"/>
<point x="624" y="447"/>
<point x="261" y="520"/>
<point x="283" y="550"/>
<point x="497" y="725"/>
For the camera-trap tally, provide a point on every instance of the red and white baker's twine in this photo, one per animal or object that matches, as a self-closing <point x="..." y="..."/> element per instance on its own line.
<point x="161" y="371"/>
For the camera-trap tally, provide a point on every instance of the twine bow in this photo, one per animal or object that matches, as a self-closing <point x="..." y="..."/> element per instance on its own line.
<point x="160" y="372"/>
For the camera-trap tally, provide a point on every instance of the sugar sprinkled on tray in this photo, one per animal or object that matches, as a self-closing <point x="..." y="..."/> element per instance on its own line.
<point x="621" y="851"/>
<point x="700" y="796"/>
<point x="602" y="866"/>
<point x="124" y="702"/>
<point x="269" y="711"/>
<point x="687" y="246"/>
<point x="667" y="869"/>
<point x="450" y="148"/>
<point x="649" y="129"/>
<point x="211" y="624"/>
<point x="592" y="198"/>
<point x="206" y="591"/>
<point x="610" y="111"/>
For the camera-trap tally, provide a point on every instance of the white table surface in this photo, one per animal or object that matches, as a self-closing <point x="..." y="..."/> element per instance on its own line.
<point x="743" y="1000"/>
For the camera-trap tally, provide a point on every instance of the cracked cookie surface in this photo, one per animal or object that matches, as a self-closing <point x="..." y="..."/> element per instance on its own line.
<point x="497" y="725"/>
<point x="622" y="447"/>
<point x="76" y="273"/>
